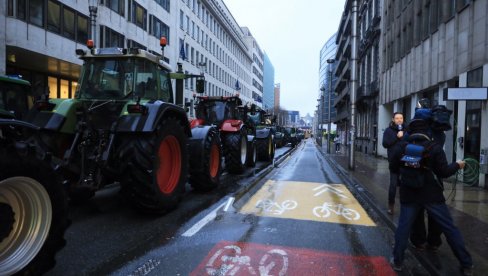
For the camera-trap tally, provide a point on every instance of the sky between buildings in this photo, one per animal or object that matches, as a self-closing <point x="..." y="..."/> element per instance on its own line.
<point x="291" y="32"/>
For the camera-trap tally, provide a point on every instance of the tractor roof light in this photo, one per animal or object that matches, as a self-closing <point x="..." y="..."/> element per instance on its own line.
<point x="163" y="41"/>
<point x="137" y="109"/>
<point x="90" y="44"/>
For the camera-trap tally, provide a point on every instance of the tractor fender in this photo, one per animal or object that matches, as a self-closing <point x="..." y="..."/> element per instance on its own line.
<point x="197" y="146"/>
<point x="263" y="133"/>
<point x="156" y="112"/>
<point x="13" y="122"/>
<point x="232" y="126"/>
<point x="54" y="119"/>
<point x="196" y="122"/>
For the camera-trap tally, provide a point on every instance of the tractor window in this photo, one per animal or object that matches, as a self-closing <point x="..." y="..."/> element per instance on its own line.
<point x="146" y="81"/>
<point x="13" y="99"/>
<point x="166" y="91"/>
<point x="106" y="79"/>
<point x="214" y="112"/>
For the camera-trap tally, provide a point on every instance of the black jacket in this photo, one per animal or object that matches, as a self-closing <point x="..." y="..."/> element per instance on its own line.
<point x="431" y="192"/>
<point x="390" y="140"/>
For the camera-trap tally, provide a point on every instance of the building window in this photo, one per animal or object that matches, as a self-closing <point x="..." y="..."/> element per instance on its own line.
<point x="158" y="28"/>
<point x="138" y="15"/>
<point x="117" y="6"/>
<point x="134" y="44"/>
<point x="68" y="23"/>
<point x="460" y="4"/>
<point x="182" y="19"/>
<point x="53" y="16"/>
<point x="10" y="8"/>
<point x="36" y="12"/>
<point x="164" y="4"/>
<point x="110" y="38"/>
<point x="82" y="24"/>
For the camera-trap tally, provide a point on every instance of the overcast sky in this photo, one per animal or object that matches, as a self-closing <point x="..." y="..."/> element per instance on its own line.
<point x="291" y="32"/>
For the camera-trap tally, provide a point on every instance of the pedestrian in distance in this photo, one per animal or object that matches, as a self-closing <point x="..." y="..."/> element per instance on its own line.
<point x="421" y="163"/>
<point x="391" y="138"/>
<point x="337" y="142"/>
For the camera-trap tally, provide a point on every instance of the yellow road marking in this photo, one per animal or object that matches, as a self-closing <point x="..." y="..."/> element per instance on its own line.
<point x="307" y="201"/>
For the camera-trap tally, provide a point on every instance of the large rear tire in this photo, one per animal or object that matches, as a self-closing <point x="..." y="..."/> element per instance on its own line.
<point x="235" y="152"/>
<point x="209" y="177"/>
<point x="157" y="167"/>
<point x="33" y="214"/>
<point x="251" y="154"/>
<point x="265" y="148"/>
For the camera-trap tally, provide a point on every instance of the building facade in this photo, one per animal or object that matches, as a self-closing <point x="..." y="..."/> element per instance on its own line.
<point x="327" y="81"/>
<point x="257" y="67"/>
<point x="428" y="46"/>
<point x="39" y="39"/>
<point x="369" y="23"/>
<point x="268" y="84"/>
<point x="277" y="95"/>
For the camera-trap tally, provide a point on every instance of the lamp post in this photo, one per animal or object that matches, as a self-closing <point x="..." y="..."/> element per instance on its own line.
<point x="320" y="106"/>
<point x="329" y="61"/>
<point x="93" y="8"/>
<point x="353" y="80"/>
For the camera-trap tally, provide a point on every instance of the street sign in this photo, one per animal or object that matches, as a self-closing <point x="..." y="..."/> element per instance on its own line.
<point x="466" y="93"/>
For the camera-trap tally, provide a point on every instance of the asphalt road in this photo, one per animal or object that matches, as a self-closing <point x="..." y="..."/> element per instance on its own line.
<point x="301" y="219"/>
<point x="106" y="233"/>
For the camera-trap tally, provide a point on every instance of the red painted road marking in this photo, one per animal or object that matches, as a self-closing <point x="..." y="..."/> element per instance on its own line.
<point x="239" y="258"/>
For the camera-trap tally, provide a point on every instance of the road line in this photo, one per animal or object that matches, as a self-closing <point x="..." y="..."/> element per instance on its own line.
<point x="229" y="203"/>
<point x="199" y="225"/>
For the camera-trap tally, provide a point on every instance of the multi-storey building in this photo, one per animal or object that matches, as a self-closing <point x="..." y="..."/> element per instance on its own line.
<point x="39" y="39"/>
<point x="326" y="82"/>
<point x="257" y="66"/>
<point x="369" y="18"/>
<point x="427" y="47"/>
<point x="268" y="84"/>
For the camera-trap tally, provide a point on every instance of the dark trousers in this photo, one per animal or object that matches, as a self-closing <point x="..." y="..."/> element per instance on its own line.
<point x="420" y="235"/>
<point x="337" y="146"/>
<point x="440" y="213"/>
<point x="394" y="181"/>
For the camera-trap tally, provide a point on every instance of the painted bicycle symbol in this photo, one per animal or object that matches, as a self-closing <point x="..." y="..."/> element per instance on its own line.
<point x="273" y="207"/>
<point x="229" y="261"/>
<point x="325" y="210"/>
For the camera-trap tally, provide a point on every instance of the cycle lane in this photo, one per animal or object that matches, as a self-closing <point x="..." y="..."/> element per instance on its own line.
<point x="299" y="220"/>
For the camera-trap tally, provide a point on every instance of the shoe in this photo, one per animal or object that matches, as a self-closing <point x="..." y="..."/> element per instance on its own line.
<point x="419" y="247"/>
<point x="391" y="208"/>
<point x="395" y="266"/>
<point x="467" y="271"/>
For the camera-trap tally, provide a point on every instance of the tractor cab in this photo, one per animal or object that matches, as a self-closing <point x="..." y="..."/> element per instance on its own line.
<point x="15" y="97"/>
<point x="123" y="74"/>
<point x="216" y="110"/>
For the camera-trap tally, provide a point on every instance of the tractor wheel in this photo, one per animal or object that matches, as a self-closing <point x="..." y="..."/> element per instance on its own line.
<point x="235" y="152"/>
<point x="33" y="214"/>
<point x="251" y="154"/>
<point x="265" y="148"/>
<point x="157" y="167"/>
<point x="209" y="178"/>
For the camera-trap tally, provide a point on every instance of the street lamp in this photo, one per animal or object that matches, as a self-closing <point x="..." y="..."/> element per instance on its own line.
<point x="329" y="61"/>
<point x="93" y="8"/>
<point x="320" y="118"/>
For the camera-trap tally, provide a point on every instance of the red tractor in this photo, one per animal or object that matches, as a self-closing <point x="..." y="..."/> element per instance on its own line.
<point x="226" y="113"/>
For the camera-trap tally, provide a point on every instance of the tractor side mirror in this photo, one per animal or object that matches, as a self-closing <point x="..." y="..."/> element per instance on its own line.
<point x="200" y="86"/>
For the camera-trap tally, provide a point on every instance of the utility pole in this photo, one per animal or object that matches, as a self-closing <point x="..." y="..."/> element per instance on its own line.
<point x="329" y="61"/>
<point x="354" y="60"/>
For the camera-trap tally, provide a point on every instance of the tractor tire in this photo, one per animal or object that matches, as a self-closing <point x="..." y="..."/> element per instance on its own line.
<point x="251" y="157"/>
<point x="235" y="152"/>
<point x="33" y="213"/>
<point x="157" y="169"/>
<point x="209" y="178"/>
<point x="265" y="149"/>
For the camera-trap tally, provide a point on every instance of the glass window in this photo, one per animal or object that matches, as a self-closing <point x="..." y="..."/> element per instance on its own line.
<point x="116" y="5"/>
<point x="139" y="15"/>
<point x="158" y="28"/>
<point x="36" y="11"/>
<point x="166" y="91"/>
<point x="68" y="23"/>
<point x="21" y="9"/>
<point x="53" y="87"/>
<point x="182" y="19"/>
<point x="10" y="8"/>
<point x="53" y="16"/>
<point x="64" y="89"/>
<point x="82" y="24"/>
<point x="164" y="4"/>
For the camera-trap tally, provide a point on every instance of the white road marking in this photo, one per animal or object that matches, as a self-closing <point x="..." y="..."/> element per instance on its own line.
<point x="328" y="188"/>
<point x="229" y="203"/>
<point x="199" y="225"/>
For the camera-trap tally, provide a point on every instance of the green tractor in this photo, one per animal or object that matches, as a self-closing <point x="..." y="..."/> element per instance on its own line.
<point x="124" y="125"/>
<point x="262" y="126"/>
<point x="33" y="205"/>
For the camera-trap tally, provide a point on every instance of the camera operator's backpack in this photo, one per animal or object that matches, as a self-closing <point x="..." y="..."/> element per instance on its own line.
<point x="441" y="118"/>
<point x="414" y="170"/>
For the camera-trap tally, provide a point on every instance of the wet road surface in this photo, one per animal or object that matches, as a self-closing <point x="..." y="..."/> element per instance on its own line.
<point x="300" y="219"/>
<point x="106" y="232"/>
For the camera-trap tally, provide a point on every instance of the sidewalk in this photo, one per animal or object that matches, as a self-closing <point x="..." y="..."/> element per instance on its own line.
<point x="468" y="206"/>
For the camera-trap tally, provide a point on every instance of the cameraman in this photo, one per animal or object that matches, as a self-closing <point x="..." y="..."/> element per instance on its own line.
<point x="392" y="135"/>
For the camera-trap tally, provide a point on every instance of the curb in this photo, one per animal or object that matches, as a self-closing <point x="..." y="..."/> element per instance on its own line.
<point x="361" y="192"/>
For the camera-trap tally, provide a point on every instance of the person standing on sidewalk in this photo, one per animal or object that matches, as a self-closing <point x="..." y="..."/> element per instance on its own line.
<point x="391" y="138"/>
<point x="421" y="189"/>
